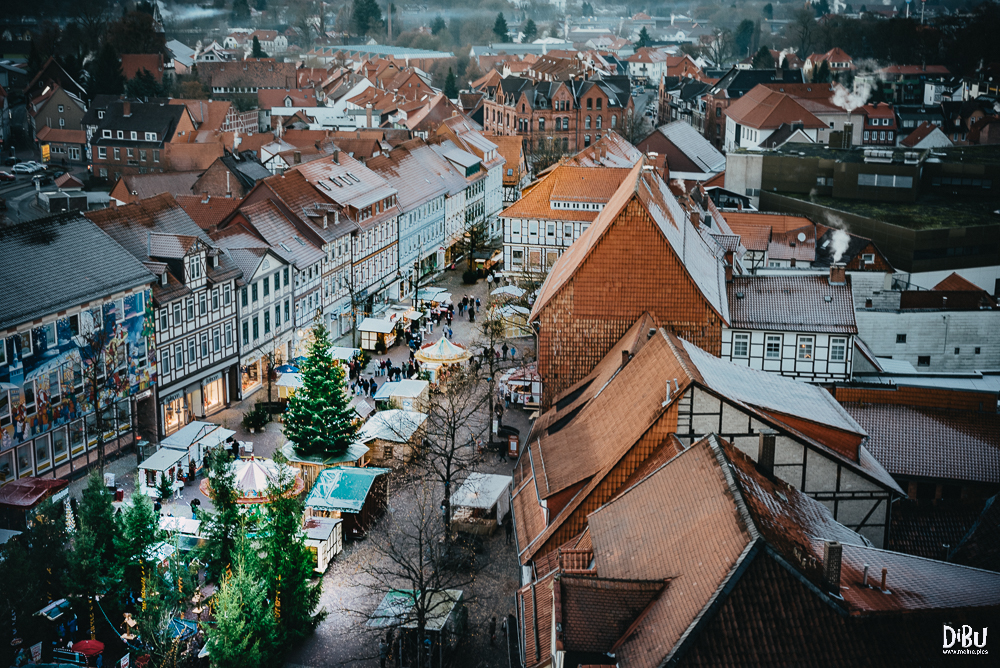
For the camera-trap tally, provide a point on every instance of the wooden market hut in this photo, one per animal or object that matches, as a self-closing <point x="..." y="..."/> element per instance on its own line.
<point x="394" y="436"/>
<point x="358" y="496"/>
<point x="311" y="466"/>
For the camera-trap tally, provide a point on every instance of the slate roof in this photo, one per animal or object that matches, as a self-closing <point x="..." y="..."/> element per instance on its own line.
<point x="404" y="169"/>
<point x="82" y="264"/>
<point x="367" y="189"/>
<point x="791" y="304"/>
<point x="144" y="117"/>
<point x="268" y="220"/>
<point x="736" y="82"/>
<point x="928" y="443"/>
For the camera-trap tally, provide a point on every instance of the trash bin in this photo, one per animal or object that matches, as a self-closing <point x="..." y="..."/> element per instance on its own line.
<point x="119" y="494"/>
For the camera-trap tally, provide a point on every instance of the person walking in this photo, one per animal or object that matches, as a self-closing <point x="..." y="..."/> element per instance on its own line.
<point x="512" y="352"/>
<point x="508" y="527"/>
<point x="504" y="349"/>
<point x="372" y="388"/>
<point x="479" y="304"/>
<point x="383" y="652"/>
<point x="493" y="630"/>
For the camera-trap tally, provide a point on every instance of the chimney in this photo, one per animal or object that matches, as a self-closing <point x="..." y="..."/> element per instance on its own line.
<point x="885" y="571"/>
<point x="297" y="157"/>
<point x="765" y="452"/>
<point x="838" y="274"/>
<point x="324" y="219"/>
<point x="359" y="134"/>
<point x="336" y="217"/>
<point x="624" y="357"/>
<point x="336" y="156"/>
<point x="696" y="219"/>
<point x="205" y="197"/>
<point x="832" y="553"/>
<point x="368" y="114"/>
<point x="126" y="108"/>
<point x="729" y="262"/>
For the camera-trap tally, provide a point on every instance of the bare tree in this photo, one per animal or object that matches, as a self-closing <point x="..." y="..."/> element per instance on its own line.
<point x="413" y="562"/>
<point x="718" y="47"/>
<point x="103" y="363"/>
<point x="454" y="420"/>
<point x="546" y="152"/>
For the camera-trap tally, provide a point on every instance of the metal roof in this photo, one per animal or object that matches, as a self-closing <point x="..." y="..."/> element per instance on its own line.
<point x="343" y="488"/>
<point x="692" y="144"/>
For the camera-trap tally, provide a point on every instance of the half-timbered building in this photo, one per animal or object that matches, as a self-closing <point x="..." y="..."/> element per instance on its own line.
<point x="799" y="326"/>
<point x="194" y="302"/>
<point x="641" y="254"/>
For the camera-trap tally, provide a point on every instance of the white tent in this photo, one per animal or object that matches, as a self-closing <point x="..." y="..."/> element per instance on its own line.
<point x="392" y="425"/>
<point x="511" y="290"/>
<point x="443" y="351"/>
<point x="196" y="438"/>
<point x="342" y="353"/>
<point x="483" y="491"/>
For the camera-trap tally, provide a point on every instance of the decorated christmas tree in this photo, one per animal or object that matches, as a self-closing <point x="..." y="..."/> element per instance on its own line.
<point x="319" y="416"/>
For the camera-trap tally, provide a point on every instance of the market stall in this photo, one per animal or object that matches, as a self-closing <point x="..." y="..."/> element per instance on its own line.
<point x="287" y="384"/>
<point x="19" y="498"/>
<point x="195" y="439"/>
<point x="311" y="466"/>
<point x="375" y="331"/>
<point x="445" y="623"/>
<point x="344" y="354"/>
<point x="393" y="435"/>
<point x="253" y="477"/>
<point x="324" y="538"/>
<point x="358" y="496"/>
<point x="164" y="463"/>
<point x="524" y="385"/>
<point x="514" y="319"/>
<point x="443" y="352"/>
<point x="408" y="395"/>
<point x="481" y="503"/>
<point x="185" y="531"/>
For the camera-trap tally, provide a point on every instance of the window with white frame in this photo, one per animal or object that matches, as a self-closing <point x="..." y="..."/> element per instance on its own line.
<point x="805" y="347"/>
<point x="772" y="346"/>
<point x="741" y="344"/>
<point x="868" y="258"/>
<point x="838" y="349"/>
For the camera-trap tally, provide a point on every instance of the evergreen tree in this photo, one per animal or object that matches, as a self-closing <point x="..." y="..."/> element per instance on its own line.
<point x="319" y="417"/>
<point x="784" y="63"/>
<point x="644" y="38"/>
<point x="366" y="16"/>
<point x="223" y="525"/>
<point x="438" y="26"/>
<point x="243" y="633"/>
<point x="822" y="73"/>
<point x="530" y="31"/>
<point x="763" y="60"/>
<point x="287" y="563"/>
<point x="587" y="9"/>
<point x="107" y="76"/>
<point x="769" y="12"/>
<point x="144" y="86"/>
<point x="138" y="532"/>
<point x="450" y="87"/>
<point x="88" y="571"/>
<point x="744" y="37"/>
<point x="257" y="51"/>
<point x="500" y="28"/>
<point x="35" y="59"/>
<point x="97" y="515"/>
<point x="241" y="12"/>
<point x="822" y="8"/>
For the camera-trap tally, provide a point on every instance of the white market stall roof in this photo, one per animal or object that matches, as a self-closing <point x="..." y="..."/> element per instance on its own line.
<point x="413" y="315"/>
<point x="342" y="353"/>
<point x="396" y="609"/>
<point x="403" y="388"/>
<point x="208" y="434"/>
<point x="376" y="325"/>
<point x="394" y="425"/>
<point x="480" y="490"/>
<point x="430" y="293"/>
<point x="320" y="528"/>
<point x="511" y="310"/>
<point x="290" y="380"/>
<point x="180" y="525"/>
<point x="511" y="290"/>
<point x="442" y="351"/>
<point x="163" y="459"/>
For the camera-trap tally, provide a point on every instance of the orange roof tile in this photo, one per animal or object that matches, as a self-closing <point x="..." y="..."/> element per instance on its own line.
<point x="955" y="282"/>
<point x="566" y="183"/>
<point x="765" y="109"/>
<point x="209" y="214"/>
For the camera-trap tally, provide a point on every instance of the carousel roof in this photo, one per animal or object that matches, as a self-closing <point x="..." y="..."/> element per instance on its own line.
<point x="252" y="477"/>
<point x="443" y="351"/>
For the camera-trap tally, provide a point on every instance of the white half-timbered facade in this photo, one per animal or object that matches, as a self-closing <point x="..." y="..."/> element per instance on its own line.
<point x="798" y="326"/>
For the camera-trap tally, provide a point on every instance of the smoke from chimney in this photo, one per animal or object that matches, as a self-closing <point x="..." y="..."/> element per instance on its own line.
<point x="839" y="243"/>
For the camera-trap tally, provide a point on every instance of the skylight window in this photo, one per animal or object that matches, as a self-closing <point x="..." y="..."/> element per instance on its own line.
<point x="334" y="181"/>
<point x="354" y="177"/>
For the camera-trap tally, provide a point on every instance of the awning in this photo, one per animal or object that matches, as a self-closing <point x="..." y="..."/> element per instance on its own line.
<point x="376" y="325"/>
<point x="481" y="491"/>
<point x="163" y="459"/>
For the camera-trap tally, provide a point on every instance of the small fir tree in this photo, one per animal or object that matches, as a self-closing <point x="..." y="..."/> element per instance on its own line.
<point x="500" y="28"/>
<point x="223" y="524"/>
<point x="822" y="73"/>
<point x="530" y="31"/>
<point x="319" y="419"/>
<point x="439" y="26"/>
<point x="644" y="39"/>
<point x="107" y="74"/>
<point x="763" y="60"/>
<point x="450" y="87"/>
<point x="98" y="515"/>
<point x="257" y="51"/>
<point x="138" y="532"/>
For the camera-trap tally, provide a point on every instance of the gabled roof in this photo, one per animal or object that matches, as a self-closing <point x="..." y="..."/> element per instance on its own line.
<point x="568" y="183"/>
<point x="268" y="220"/>
<point x="404" y="169"/>
<point x="957" y="283"/>
<point x="208" y="214"/>
<point x="919" y="134"/>
<point x="691" y="249"/>
<point x="791" y="304"/>
<point x="144" y="186"/>
<point x="694" y="146"/>
<point x="765" y="109"/>
<point x="69" y="244"/>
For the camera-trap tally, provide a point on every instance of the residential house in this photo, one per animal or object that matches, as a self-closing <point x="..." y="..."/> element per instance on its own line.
<point x="180" y="57"/>
<point x="682" y="98"/>
<point x="271" y="41"/>
<point x="56" y="120"/>
<point x="469" y="137"/>
<point x="797" y="326"/>
<point x="731" y="87"/>
<point x="220" y="116"/>
<point x="949" y="328"/>
<point x="926" y="135"/>
<point x="288" y="98"/>
<point x="266" y="327"/>
<point x="48" y="426"/>
<point x="194" y="307"/>
<point x="53" y="74"/>
<point x="752" y="119"/>
<point x="570" y="114"/>
<point x="421" y="198"/>
<point x="690" y="157"/>
<point x="131" y="188"/>
<point x="232" y="175"/>
<point x="682" y="282"/>
<point x="836" y="59"/>
<point x="469" y="213"/>
<point x="735" y="546"/>
<point x="244" y="78"/>
<point x="880" y="125"/>
<point x="207" y="211"/>
<point x="902" y="84"/>
<point x="552" y="215"/>
<point x="133" y="137"/>
<point x="515" y="171"/>
<point x="213" y="53"/>
<point x="646" y="66"/>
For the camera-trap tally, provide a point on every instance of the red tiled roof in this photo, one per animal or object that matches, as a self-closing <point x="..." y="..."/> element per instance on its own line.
<point x="134" y="63"/>
<point x="589" y="184"/>
<point x="765" y="109"/>
<point x="49" y="135"/>
<point x="534" y="603"/>
<point x="929" y="443"/>
<point x="924" y="530"/>
<point x="209" y="214"/>
<point x="67" y="180"/>
<point x="268" y="98"/>
<point x="791" y="304"/>
<point x="594" y="613"/>
<point x="955" y="282"/>
<point x="918" y="134"/>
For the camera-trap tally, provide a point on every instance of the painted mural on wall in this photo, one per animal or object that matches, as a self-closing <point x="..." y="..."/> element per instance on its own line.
<point x="45" y="376"/>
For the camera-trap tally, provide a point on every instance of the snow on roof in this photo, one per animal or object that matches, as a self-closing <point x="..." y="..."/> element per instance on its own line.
<point x="481" y="490"/>
<point x="393" y="425"/>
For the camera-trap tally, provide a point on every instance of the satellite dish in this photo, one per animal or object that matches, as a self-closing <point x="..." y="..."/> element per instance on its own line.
<point x="802" y="237"/>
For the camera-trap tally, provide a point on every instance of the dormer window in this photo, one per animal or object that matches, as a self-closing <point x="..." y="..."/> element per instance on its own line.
<point x="150" y="136"/>
<point x="135" y="135"/>
<point x="107" y="134"/>
<point x="100" y="114"/>
<point x="164" y="278"/>
<point x="194" y="268"/>
<point x="121" y="135"/>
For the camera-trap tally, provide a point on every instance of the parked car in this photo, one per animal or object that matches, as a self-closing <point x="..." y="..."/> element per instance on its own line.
<point x="7" y="176"/>
<point x="36" y="166"/>
<point x="22" y="168"/>
<point x="42" y="179"/>
<point x="8" y="162"/>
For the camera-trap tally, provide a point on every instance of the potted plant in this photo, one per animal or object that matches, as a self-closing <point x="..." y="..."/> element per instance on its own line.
<point x="256" y="418"/>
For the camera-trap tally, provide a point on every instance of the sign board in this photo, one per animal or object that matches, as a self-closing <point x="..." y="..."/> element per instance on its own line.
<point x="145" y="394"/>
<point x="124" y="661"/>
<point x="36" y="652"/>
<point x="46" y="154"/>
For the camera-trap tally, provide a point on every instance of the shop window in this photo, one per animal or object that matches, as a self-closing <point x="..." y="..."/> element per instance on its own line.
<point x="24" y="467"/>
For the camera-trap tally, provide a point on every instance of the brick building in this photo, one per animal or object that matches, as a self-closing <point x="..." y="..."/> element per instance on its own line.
<point x="573" y="114"/>
<point x="641" y="254"/>
<point x="731" y="87"/>
<point x="132" y="137"/>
